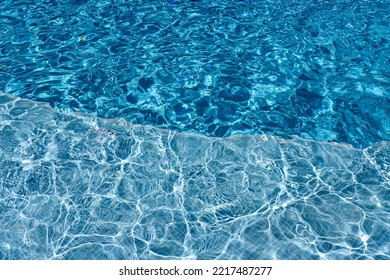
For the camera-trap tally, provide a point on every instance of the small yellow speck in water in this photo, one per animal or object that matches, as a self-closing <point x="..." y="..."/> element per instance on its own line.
<point x="81" y="38"/>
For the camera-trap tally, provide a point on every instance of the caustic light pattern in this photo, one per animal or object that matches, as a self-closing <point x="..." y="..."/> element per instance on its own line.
<point x="178" y="129"/>
<point x="80" y="187"/>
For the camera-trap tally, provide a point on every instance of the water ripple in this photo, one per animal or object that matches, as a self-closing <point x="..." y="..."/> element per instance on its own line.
<point x="74" y="186"/>
<point x="313" y="69"/>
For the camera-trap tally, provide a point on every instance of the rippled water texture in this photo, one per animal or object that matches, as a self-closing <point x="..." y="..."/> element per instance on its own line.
<point x="316" y="69"/>
<point x="194" y="129"/>
<point x="79" y="187"/>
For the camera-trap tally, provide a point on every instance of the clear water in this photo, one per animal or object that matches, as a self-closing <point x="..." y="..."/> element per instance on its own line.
<point x="269" y="137"/>
<point x="315" y="69"/>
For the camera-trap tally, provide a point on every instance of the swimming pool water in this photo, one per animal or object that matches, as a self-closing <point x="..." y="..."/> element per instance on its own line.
<point x="80" y="187"/>
<point x="194" y="129"/>
<point x="314" y="69"/>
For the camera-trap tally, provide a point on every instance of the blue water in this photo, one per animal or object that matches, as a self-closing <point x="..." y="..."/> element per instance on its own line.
<point x="315" y="69"/>
<point x="194" y="129"/>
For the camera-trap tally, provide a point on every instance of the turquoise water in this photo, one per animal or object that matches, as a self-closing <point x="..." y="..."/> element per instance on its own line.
<point x="314" y="69"/>
<point x="194" y="129"/>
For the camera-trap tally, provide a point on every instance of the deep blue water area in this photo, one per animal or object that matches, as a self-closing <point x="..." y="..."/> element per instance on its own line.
<point x="310" y="68"/>
<point x="180" y="129"/>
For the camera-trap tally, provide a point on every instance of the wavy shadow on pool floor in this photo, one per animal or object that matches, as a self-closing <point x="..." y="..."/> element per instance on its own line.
<point x="74" y="186"/>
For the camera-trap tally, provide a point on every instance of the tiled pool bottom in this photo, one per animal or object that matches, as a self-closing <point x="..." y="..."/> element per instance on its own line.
<point x="80" y="187"/>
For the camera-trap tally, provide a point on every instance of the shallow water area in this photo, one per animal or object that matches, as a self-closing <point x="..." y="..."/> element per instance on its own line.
<point x="149" y="193"/>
